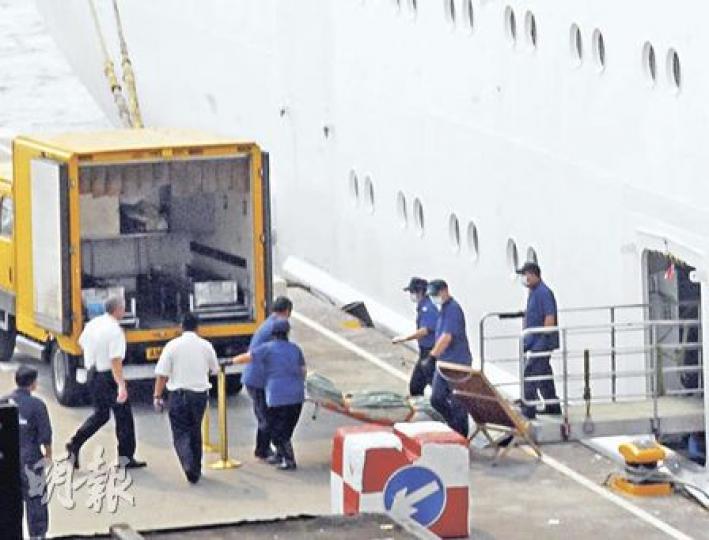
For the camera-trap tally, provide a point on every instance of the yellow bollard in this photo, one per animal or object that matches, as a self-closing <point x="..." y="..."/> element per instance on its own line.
<point x="223" y="462"/>
<point x="207" y="445"/>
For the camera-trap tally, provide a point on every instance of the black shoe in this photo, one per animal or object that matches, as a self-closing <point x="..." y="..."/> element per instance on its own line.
<point x="264" y="456"/>
<point x="193" y="478"/>
<point x="72" y="455"/>
<point x="506" y="441"/>
<point x="286" y="466"/>
<point x="133" y="463"/>
<point x="273" y="459"/>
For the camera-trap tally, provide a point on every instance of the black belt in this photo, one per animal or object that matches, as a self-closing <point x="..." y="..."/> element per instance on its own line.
<point x="183" y="391"/>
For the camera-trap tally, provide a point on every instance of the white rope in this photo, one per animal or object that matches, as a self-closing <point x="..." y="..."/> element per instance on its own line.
<point x="128" y="73"/>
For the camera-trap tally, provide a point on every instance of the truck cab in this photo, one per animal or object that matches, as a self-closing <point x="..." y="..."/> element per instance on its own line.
<point x="170" y="221"/>
<point x="7" y="263"/>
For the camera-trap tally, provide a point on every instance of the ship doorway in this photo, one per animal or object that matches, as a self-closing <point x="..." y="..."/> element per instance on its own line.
<point x="671" y="295"/>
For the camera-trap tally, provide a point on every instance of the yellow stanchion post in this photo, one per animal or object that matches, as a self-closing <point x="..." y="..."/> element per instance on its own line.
<point x="207" y="444"/>
<point x="223" y="462"/>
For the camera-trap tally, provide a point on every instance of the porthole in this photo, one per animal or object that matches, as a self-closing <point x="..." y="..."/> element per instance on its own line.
<point x="674" y="70"/>
<point x="576" y="44"/>
<point x="449" y="8"/>
<point x="472" y="239"/>
<point x="469" y="14"/>
<point x="510" y="25"/>
<point x="530" y="26"/>
<point x="512" y="256"/>
<point x="532" y="255"/>
<point x="413" y="7"/>
<point x="454" y="232"/>
<point x="418" y="217"/>
<point x="401" y="210"/>
<point x="354" y="188"/>
<point x="369" y="194"/>
<point x="599" y="50"/>
<point x="649" y="63"/>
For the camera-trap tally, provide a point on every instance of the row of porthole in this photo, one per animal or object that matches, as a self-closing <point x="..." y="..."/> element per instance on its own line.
<point x="364" y="193"/>
<point x="576" y="46"/>
<point x="598" y="45"/>
<point x="454" y="232"/>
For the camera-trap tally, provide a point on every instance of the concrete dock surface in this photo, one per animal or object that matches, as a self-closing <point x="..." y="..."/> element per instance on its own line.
<point x="520" y="498"/>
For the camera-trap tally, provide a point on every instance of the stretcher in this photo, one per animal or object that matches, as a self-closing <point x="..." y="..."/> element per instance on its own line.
<point x="377" y="407"/>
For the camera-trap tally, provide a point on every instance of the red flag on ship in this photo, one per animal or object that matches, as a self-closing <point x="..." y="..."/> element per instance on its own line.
<point x="670" y="272"/>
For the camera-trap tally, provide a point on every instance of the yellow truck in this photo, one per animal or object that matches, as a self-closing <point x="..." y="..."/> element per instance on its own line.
<point x="171" y="221"/>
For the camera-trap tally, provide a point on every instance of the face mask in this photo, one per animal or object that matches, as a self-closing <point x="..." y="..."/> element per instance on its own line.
<point x="437" y="300"/>
<point x="523" y="280"/>
<point x="414" y="298"/>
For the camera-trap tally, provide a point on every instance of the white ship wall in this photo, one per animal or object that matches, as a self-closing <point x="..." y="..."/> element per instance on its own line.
<point x="589" y="167"/>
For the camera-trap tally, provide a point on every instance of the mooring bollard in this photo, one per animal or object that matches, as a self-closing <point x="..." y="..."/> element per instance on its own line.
<point x="223" y="462"/>
<point x="207" y="444"/>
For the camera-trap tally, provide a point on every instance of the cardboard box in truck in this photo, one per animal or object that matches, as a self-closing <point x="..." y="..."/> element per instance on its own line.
<point x="171" y="221"/>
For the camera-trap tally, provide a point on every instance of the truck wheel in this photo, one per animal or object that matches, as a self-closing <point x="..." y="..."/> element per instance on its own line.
<point x="66" y="389"/>
<point x="7" y="341"/>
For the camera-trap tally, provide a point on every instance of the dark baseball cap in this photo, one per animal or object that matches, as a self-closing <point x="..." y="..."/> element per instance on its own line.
<point x="25" y="376"/>
<point x="530" y="267"/>
<point x="436" y="286"/>
<point x="280" y="326"/>
<point x="416" y="284"/>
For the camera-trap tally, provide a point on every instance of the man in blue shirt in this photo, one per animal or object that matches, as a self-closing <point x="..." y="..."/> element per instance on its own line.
<point x="254" y="378"/>
<point x="35" y="446"/>
<point x="426" y="319"/>
<point x="283" y="365"/>
<point x="541" y="311"/>
<point x="451" y="346"/>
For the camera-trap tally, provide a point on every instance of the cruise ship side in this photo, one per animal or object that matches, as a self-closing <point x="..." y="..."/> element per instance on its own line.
<point x="446" y="138"/>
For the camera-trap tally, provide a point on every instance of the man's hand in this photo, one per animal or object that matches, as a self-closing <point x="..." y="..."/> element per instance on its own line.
<point x="122" y="393"/>
<point x="158" y="404"/>
<point x="398" y="339"/>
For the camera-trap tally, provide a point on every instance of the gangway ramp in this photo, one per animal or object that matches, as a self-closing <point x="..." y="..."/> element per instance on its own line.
<point x="676" y="415"/>
<point x="622" y="375"/>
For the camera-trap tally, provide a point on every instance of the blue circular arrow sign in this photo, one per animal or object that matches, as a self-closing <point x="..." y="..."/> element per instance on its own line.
<point x="416" y="493"/>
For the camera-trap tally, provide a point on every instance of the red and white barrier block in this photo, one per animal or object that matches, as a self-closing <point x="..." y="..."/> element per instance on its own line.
<point x="415" y="470"/>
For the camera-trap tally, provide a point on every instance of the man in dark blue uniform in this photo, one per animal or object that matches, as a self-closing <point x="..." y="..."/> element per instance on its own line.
<point x="255" y="380"/>
<point x="426" y="319"/>
<point x="451" y="346"/>
<point x="283" y="364"/>
<point x="35" y="445"/>
<point x="541" y="311"/>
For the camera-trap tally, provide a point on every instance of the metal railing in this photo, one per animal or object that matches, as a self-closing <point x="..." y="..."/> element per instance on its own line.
<point x="648" y="342"/>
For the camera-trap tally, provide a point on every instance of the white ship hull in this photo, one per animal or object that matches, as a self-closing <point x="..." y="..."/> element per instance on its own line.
<point x="590" y="167"/>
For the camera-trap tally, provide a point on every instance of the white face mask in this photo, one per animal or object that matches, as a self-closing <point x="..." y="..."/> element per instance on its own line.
<point x="523" y="280"/>
<point x="437" y="300"/>
<point x="414" y="298"/>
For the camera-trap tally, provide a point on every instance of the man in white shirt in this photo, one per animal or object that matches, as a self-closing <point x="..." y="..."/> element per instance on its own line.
<point x="184" y="367"/>
<point x="104" y="346"/>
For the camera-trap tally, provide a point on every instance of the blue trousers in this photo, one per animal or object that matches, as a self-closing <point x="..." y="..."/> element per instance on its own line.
<point x="263" y="431"/>
<point x="539" y="367"/>
<point x="186" y="413"/>
<point x="448" y="406"/>
<point x="37" y="512"/>
<point x="422" y="375"/>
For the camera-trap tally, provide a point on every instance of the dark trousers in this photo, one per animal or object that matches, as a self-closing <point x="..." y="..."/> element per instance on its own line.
<point x="186" y="410"/>
<point x="448" y="406"/>
<point x="282" y="421"/>
<point x="263" y="433"/>
<point x="36" y="511"/>
<point x="539" y="367"/>
<point x="422" y="375"/>
<point x="104" y="391"/>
